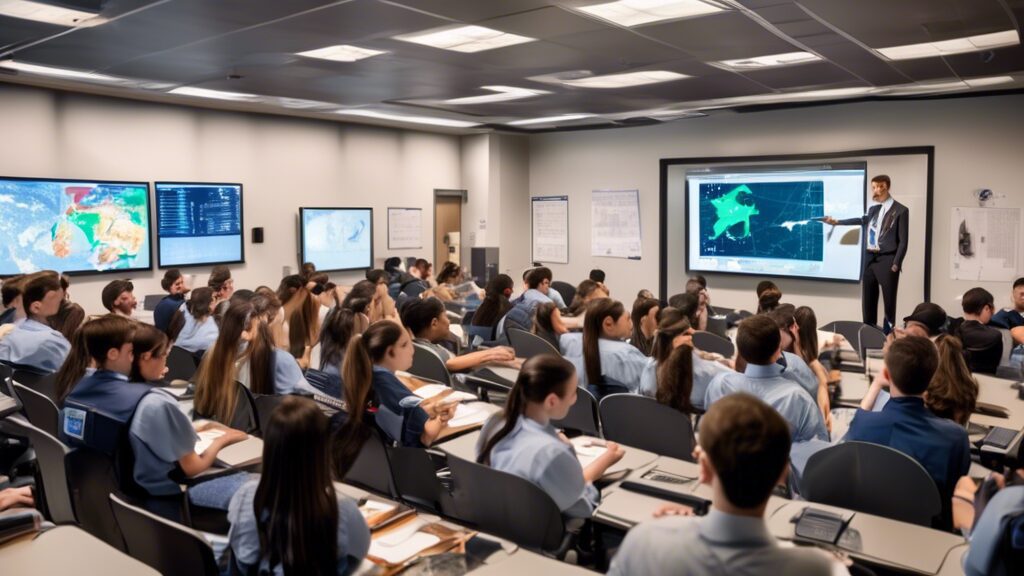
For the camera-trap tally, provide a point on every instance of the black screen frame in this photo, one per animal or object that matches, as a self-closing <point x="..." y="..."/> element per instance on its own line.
<point x="241" y="223"/>
<point x="302" y="236"/>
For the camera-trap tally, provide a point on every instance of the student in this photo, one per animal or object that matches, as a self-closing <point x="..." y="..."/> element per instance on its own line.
<point x="162" y="438"/>
<point x="422" y="269"/>
<point x="807" y="344"/>
<point x="307" y="270"/>
<point x="768" y="296"/>
<point x="645" y="322"/>
<point x="292" y="520"/>
<point x="223" y="288"/>
<point x="586" y="292"/>
<point x="199" y="330"/>
<point x="521" y="440"/>
<point x="983" y="344"/>
<point x="547" y="323"/>
<point x="67" y="319"/>
<point x="699" y="288"/>
<point x="1012" y="318"/>
<point x="382" y="306"/>
<point x="606" y="359"/>
<point x="906" y="424"/>
<point x="759" y="344"/>
<point x="538" y="287"/>
<point x="11" y="296"/>
<point x="495" y="303"/>
<point x="369" y="380"/>
<point x="743" y="455"/>
<point x="953" y="391"/>
<point x="450" y="275"/>
<point x="33" y="343"/>
<point x="149" y="355"/>
<point x="427" y="321"/>
<point x="262" y="366"/>
<point x="118" y="298"/>
<point x="673" y="332"/>
<point x="174" y="284"/>
<point x="689" y="304"/>
<point x="598" y="275"/>
<point x="794" y="367"/>
<point x="301" y="317"/>
<point x="992" y="514"/>
<point x="928" y="320"/>
<point x="338" y="328"/>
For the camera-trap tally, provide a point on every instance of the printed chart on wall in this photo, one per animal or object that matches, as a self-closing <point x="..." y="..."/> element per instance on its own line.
<point x="550" y="223"/>
<point x="986" y="244"/>
<point x="405" y="228"/>
<point x="615" y="224"/>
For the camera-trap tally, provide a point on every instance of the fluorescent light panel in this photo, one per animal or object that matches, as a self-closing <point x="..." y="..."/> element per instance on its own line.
<point x="413" y="119"/>
<point x="770" y="61"/>
<point x="39" y="12"/>
<point x="56" y="72"/>
<point x="625" y="80"/>
<point x="341" y="53"/>
<point x="207" y="93"/>
<point x="549" y="119"/>
<point x="465" y="38"/>
<point x="637" y="12"/>
<point x="501" y="94"/>
<point x="950" y="47"/>
<point x="988" y="81"/>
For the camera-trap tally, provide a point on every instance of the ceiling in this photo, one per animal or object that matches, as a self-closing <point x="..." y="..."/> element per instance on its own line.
<point x="145" y="48"/>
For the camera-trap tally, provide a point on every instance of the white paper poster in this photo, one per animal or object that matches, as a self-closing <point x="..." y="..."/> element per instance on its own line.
<point x="615" y="223"/>
<point x="985" y="244"/>
<point x="550" y="223"/>
<point x="405" y="228"/>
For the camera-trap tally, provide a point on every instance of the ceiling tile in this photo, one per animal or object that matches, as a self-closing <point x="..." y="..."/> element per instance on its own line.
<point x="719" y="37"/>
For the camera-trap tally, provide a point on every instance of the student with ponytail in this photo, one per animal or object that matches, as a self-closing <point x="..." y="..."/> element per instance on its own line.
<point x="606" y="359"/>
<point x="521" y="440"/>
<point x="262" y="366"/>
<point x="675" y="332"/>
<point x="302" y="316"/>
<point x="335" y="333"/>
<point x="645" y="322"/>
<point x="199" y="329"/>
<point x="149" y="354"/>
<point x="292" y="521"/>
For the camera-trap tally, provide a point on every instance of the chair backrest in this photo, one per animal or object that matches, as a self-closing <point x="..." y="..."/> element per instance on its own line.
<point x="849" y="329"/>
<point x="5" y="379"/>
<point x="467" y="318"/>
<point x="505" y="505"/>
<point x="45" y="384"/>
<point x="582" y="416"/>
<point x="427" y="364"/>
<point x="371" y="470"/>
<point x="165" y="546"/>
<point x="415" y="479"/>
<point x="40" y="410"/>
<point x="872" y="479"/>
<point x="565" y="290"/>
<point x="528" y="345"/>
<point x="328" y="384"/>
<point x="709" y="342"/>
<point x="414" y="289"/>
<point x="92" y="477"/>
<point x="181" y="364"/>
<point x="150" y="301"/>
<point x="645" y="423"/>
<point x="265" y="404"/>
<point x="869" y="338"/>
<point x="52" y="494"/>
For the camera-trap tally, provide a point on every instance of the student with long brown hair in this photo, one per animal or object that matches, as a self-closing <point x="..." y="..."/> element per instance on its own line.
<point x="807" y="349"/>
<point x="302" y="316"/>
<point x="149" y="354"/>
<point x="495" y="303"/>
<point x="521" y="440"/>
<point x="216" y="396"/>
<point x="607" y="360"/>
<point x="645" y="322"/>
<point x="547" y="323"/>
<point x="67" y="319"/>
<point x="292" y="520"/>
<point x="953" y="391"/>
<point x="586" y="292"/>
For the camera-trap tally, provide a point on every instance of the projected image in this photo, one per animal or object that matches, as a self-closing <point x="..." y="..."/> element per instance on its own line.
<point x="337" y="238"/>
<point x="199" y="224"/>
<point x="73" y="226"/>
<point x="762" y="219"/>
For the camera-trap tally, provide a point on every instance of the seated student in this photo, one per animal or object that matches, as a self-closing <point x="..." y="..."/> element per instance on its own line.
<point x="606" y="359"/>
<point x="33" y="343"/>
<point x="368" y="374"/>
<point x="795" y="368"/>
<point x="149" y="355"/>
<point x="337" y="330"/>
<point x="67" y="319"/>
<point x="494" y="305"/>
<point x="427" y="321"/>
<point x="375" y="288"/>
<point x="983" y="345"/>
<point x="644" y="294"/>
<point x="598" y="275"/>
<point x="759" y="344"/>
<point x="699" y="289"/>
<point x="906" y="424"/>
<point x="301" y="317"/>
<point x="807" y="344"/>
<point x="198" y="328"/>
<point x="1012" y="317"/>
<point x="118" y="298"/>
<point x="262" y="366"/>
<point x="768" y="296"/>
<point x="422" y="270"/>
<point x="174" y="283"/>
<point x="11" y="295"/>
<point x="538" y="287"/>
<point x="586" y="292"/>
<point x="673" y="332"/>
<point x="161" y="436"/>
<point x="992" y="515"/>
<point x="743" y="455"/>
<point x="547" y="323"/>
<point x="953" y="391"/>
<point x="689" y="304"/>
<point x="223" y="287"/>
<point x="448" y="278"/>
<point x="292" y="520"/>
<point x="520" y="440"/>
<point x="928" y="320"/>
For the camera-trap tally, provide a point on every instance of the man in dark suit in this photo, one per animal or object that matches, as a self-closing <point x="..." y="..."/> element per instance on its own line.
<point x="885" y="245"/>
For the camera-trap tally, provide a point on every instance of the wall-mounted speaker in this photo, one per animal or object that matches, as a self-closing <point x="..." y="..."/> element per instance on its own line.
<point x="257" y="235"/>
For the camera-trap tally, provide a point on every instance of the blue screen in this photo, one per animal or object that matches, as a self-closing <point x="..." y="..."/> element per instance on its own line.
<point x="198" y="223"/>
<point x="337" y="238"/>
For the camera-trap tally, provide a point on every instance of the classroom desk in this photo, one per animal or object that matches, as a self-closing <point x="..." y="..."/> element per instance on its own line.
<point x="68" y="550"/>
<point x="525" y="562"/>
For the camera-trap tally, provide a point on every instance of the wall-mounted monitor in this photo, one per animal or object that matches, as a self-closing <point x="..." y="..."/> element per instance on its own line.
<point x="73" y="226"/>
<point x="198" y="224"/>
<point x="336" y="238"/>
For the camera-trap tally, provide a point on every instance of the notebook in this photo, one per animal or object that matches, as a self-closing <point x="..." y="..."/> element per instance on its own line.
<point x="431" y="390"/>
<point x="239" y="454"/>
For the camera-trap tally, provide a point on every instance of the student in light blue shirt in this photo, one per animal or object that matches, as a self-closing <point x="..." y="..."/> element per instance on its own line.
<point x="606" y="359"/>
<point x="758" y="342"/>
<point x="794" y="368"/>
<point x="263" y="367"/>
<point x="521" y="440"/>
<point x="33" y="343"/>
<point x="427" y="321"/>
<point x="199" y="329"/>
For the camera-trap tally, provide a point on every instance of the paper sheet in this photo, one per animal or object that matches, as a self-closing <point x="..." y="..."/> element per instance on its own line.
<point x="405" y="549"/>
<point x="985" y="244"/>
<point x="550" y="224"/>
<point x="405" y="228"/>
<point x="206" y="438"/>
<point x="615" y="224"/>
<point x="431" y="390"/>
<point x="466" y="415"/>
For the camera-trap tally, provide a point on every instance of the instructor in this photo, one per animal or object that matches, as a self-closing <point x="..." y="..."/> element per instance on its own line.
<point x="885" y="245"/>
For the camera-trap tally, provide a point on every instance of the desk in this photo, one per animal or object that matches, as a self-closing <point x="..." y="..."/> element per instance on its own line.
<point x="68" y="550"/>
<point x="525" y="562"/>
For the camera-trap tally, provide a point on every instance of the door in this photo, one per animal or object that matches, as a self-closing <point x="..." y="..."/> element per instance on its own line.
<point x="447" y="219"/>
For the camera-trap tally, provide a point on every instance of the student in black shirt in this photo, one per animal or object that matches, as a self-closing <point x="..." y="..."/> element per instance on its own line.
<point x="983" y="345"/>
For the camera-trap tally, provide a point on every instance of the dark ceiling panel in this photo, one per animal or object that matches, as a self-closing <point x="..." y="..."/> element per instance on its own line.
<point x="862" y="63"/>
<point x="1000" y="61"/>
<point x="17" y="31"/>
<point x="723" y="36"/>
<point x="811" y="74"/>
<point x="923" y="69"/>
<point x="620" y="46"/>
<point x="473" y="10"/>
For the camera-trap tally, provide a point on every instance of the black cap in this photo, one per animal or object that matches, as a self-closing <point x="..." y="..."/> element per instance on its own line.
<point x="931" y="316"/>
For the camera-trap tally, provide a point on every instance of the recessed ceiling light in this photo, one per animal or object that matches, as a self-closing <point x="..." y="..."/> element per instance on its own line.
<point x="403" y="118"/>
<point x="502" y="94"/>
<point x="988" y="81"/>
<point x="637" y="12"/>
<point x="465" y="38"/>
<point x="57" y="72"/>
<point x="549" y="119"/>
<point x="625" y="80"/>
<point x="39" y="12"/>
<point x="341" y="53"/>
<point x="758" y="62"/>
<point x="207" y="93"/>
<point x="950" y="47"/>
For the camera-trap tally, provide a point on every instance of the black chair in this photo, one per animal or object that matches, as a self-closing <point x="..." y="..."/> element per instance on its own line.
<point x="44" y="383"/>
<point x="527" y="345"/>
<point x="565" y="290"/>
<point x="414" y="477"/>
<point x="872" y="479"/>
<point x="582" y="416"/>
<point x="181" y="364"/>
<point x="165" y="546"/>
<point x="371" y="470"/>
<point x="467" y="319"/>
<point x="5" y="379"/>
<point x="506" y="506"/>
<point x="427" y="364"/>
<point x="244" y="418"/>
<point x="709" y="342"/>
<point x="265" y="404"/>
<point x="40" y="410"/>
<point x="869" y="338"/>
<point x="646" y="424"/>
<point x="849" y="329"/>
<point x="52" y="494"/>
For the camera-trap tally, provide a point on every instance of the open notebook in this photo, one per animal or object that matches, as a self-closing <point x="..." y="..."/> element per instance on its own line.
<point x="239" y="454"/>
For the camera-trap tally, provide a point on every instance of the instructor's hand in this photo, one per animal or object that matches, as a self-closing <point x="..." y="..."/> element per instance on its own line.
<point x="830" y="220"/>
<point x="895" y="268"/>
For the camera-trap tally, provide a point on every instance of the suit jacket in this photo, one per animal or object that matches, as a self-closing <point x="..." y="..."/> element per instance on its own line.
<point x="894" y="233"/>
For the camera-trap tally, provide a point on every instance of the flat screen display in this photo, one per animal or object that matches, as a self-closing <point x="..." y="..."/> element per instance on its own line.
<point x="198" y="224"/>
<point x="73" y="226"/>
<point x="337" y="238"/>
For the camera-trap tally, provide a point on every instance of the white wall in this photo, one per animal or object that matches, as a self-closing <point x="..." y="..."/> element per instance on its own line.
<point x="978" y="144"/>
<point x="283" y="163"/>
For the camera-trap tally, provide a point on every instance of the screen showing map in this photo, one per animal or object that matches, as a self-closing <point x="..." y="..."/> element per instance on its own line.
<point x="198" y="224"/>
<point x="73" y="226"/>
<point x="337" y="238"/>
<point x="765" y="220"/>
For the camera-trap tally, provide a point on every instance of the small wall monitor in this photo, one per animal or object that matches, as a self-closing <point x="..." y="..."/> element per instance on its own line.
<point x="198" y="224"/>
<point x="336" y="238"/>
